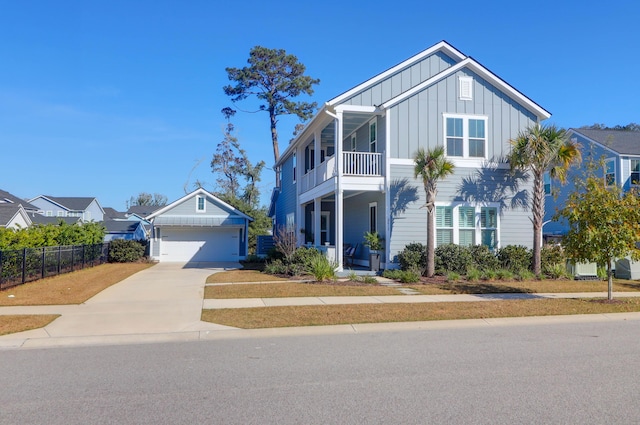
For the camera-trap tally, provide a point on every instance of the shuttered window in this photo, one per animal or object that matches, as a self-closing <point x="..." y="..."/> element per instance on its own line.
<point x="467" y="225"/>
<point x="489" y="226"/>
<point x="444" y="225"/>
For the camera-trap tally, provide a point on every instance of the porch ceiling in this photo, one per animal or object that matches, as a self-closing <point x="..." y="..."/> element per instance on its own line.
<point x="350" y="123"/>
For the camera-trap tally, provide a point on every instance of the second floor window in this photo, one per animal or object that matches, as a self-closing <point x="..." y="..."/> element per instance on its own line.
<point x="466" y="136"/>
<point x="200" y="205"/>
<point x="373" y="136"/>
<point x="610" y="173"/>
<point x="635" y="172"/>
<point x="546" y="178"/>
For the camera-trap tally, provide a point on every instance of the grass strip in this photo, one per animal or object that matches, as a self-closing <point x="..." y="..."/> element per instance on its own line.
<point x="24" y="322"/>
<point x="241" y="276"/>
<point x="70" y="288"/>
<point x="275" y="317"/>
<point x="526" y="286"/>
<point x="293" y="289"/>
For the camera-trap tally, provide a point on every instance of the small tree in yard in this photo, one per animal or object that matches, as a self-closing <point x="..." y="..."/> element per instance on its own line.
<point x="604" y="224"/>
<point x="431" y="166"/>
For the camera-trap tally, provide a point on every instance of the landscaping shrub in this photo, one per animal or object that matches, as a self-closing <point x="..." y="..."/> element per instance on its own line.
<point x="514" y="258"/>
<point x="413" y="258"/>
<point x="298" y="263"/>
<point x="483" y="259"/>
<point x="453" y="276"/>
<point x="404" y="276"/>
<point x="321" y="268"/>
<point x="453" y="258"/>
<point x="126" y="251"/>
<point x="473" y="274"/>
<point x="553" y="261"/>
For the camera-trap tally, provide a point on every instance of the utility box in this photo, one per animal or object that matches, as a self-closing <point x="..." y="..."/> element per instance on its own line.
<point x="583" y="271"/>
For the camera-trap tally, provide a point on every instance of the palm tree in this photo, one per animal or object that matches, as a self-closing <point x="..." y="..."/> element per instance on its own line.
<point x="540" y="149"/>
<point x="431" y="166"/>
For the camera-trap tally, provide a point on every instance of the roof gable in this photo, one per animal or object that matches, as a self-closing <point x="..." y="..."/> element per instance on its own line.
<point x="174" y="208"/>
<point x="618" y="141"/>
<point x="442" y="47"/>
<point x="10" y="214"/>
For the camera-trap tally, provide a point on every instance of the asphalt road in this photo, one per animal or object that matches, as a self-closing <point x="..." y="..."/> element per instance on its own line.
<point x="586" y="373"/>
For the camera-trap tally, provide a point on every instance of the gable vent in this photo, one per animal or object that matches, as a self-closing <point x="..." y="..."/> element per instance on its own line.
<point x="466" y="88"/>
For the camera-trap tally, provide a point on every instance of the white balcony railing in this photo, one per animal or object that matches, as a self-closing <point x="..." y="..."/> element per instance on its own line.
<point x="355" y="164"/>
<point x="362" y="164"/>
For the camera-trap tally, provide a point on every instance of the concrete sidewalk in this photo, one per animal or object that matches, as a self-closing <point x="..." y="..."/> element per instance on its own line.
<point x="164" y="303"/>
<point x="404" y="299"/>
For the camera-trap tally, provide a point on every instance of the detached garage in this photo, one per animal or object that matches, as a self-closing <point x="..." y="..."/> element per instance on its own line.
<point x="199" y="228"/>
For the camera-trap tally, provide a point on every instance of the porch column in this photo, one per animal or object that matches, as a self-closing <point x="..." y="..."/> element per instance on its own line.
<point x="317" y="207"/>
<point x="339" y="192"/>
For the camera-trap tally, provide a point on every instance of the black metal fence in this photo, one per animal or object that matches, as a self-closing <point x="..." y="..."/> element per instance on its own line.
<point x="29" y="264"/>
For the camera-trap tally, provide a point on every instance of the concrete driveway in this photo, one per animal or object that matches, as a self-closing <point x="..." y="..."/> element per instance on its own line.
<point x="163" y="299"/>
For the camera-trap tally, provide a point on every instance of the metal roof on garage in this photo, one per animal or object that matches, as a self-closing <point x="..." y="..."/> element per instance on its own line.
<point x="198" y="221"/>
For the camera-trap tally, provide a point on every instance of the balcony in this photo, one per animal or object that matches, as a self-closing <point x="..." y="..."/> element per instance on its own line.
<point x="356" y="164"/>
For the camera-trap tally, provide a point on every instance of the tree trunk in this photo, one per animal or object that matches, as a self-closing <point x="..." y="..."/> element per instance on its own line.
<point x="431" y="252"/>
<point x="274" y="135"/>
<point x="274" y="141"/>
<point x="610" y="281"/>
<point x="538" y="215"/>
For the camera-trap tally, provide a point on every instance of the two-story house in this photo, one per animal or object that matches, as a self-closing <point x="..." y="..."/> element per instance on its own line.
<point x="85" y="208"/>
<point x="620" y="152"/>
<point x="351" y="169"/>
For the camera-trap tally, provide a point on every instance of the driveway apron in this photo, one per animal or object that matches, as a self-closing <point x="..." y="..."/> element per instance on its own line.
<point x="164" y="298"/>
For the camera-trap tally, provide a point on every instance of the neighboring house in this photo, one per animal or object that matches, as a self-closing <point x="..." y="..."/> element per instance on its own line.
<point x="198" y="228"/>
<point x="13" y="216"/>
<point x="124" y="229"/>
<point x="44" y="220"/>
<point x="113" y="214"/>
<point x="88" y="209"/>
<point x="8" y="198"/>
<point x="620" y="151"/>
<point x="350" y="170"/>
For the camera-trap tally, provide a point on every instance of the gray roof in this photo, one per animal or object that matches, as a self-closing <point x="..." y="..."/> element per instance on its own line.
<point x="111" y="213"/>
<point x="41" y="219"/>
<point x="72" y="203"/>
<point x="622" y="142"/>
<point x="143" y="210"/>
<point x="120" y="226"/>
<point x="7" y="212"/>
<point x="8" y="198"/>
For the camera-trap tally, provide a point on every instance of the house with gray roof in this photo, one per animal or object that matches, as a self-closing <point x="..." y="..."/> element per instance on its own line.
<point x="8" y="198"/>
<point x="13" y="216"/>
<point x="621" y="153"/>
<point x="124" y="229"/>
<point x="87" y="208"/>
<point x="350" y="170"/>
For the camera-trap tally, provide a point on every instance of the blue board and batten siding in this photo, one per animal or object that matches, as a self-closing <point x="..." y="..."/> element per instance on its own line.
<point x="401" y="81"/>
<point x="286" y="203"/>
<point x="418" y="120"/>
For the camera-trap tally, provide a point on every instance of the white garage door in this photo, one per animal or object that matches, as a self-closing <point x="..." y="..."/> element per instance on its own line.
<point x="199" y="244"/>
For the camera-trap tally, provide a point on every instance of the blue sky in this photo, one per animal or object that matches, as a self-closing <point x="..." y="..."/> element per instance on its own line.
<point x="113" y="98"/>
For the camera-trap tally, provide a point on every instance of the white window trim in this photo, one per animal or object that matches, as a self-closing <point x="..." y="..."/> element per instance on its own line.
<point x="478" y="230"/>
<point x="204" y="204"/>
<point x="465" y="88"/>
<point x="290" y="222"/>
<point x="373" y="205"/>
<point x="295" y="164"/>
<point x="631" y="172"/>
<point x="465" y="160"/>
<point x="606" y="166"/>
<point x="375" y="140"/>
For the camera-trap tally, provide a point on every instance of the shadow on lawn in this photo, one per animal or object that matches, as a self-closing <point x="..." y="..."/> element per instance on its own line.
<point x="482" y="288"/>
